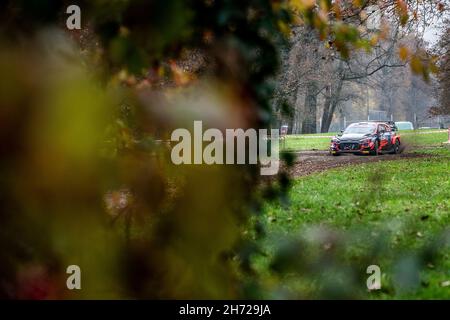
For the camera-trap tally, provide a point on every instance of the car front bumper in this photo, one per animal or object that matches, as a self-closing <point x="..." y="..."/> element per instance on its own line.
<point x="351" y="147"/>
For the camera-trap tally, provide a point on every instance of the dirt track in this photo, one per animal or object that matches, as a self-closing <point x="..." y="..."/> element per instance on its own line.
<point x="308" y="162"/>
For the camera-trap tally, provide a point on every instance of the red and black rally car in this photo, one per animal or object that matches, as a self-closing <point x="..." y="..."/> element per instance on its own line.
<point x="367" y="138"/>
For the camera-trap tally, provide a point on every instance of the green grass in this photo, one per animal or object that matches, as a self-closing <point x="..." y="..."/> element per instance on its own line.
<point x="315" y="134"/>
<point x="413" y="139"/>
<point x="314" y="141"/>
<point x="421" y="130"/>
<point x="301" y="143"/>
<point x="385" y="213"/>
<point x="343" y="193"/>
<point x="431" y="143"/>
<point x="425" y="139"/>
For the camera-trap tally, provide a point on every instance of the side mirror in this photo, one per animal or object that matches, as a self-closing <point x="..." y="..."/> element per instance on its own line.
<point x="340" y="133"/>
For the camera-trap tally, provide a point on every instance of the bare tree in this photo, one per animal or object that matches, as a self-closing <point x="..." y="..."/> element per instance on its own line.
<point x="314" y="73"/>
<point x="443" y="52"/>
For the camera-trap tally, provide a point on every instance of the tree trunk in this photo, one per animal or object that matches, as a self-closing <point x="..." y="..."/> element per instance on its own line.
<point x="326" y="110"/>
<point x="309" y="120"/>
<point x="331" y="102"/>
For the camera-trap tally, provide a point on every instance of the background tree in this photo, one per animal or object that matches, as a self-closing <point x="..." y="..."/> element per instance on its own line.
<point x="443" y="52"/>
<point x="380" y="32"/>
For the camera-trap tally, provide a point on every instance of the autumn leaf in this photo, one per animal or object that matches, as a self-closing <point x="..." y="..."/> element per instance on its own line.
<point x="384" y="30"/>
<point x="374" y="40"/>
<point x="337" y="10"/>
<point x="180" y="77"/>
<point x="284" y="28"/>
<point x="403" y="53"/>
<point x="402" y="10"/>
<point x="358" y="3"/>
<point x="302" y="5"/>
<point x="433" y="65"/>
<point x="416" y="64"/>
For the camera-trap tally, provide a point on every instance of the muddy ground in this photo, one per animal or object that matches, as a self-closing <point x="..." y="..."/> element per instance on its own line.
<point x="308" y="162"/>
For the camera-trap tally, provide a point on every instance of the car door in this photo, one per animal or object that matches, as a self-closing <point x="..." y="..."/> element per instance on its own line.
<point x="385" y="137"/>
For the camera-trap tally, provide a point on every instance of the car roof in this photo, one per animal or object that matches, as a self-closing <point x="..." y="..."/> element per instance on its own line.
<point x="364" y="124"/>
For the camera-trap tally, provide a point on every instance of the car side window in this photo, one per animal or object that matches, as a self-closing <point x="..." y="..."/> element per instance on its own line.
<point x="380" y="128"/>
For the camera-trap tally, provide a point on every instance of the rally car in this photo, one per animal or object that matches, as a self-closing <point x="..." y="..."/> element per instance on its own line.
<point x="367" y="138"/>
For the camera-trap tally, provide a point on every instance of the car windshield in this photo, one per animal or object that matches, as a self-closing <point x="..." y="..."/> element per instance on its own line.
<point x="360" y="129"/>
<point x="404" y="125"/>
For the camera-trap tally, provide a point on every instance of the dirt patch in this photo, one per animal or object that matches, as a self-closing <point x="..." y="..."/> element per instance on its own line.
<point x="308" y="162"/>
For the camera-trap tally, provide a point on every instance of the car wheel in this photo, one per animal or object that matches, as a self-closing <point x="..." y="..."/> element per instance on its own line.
<point x="396" y="147"/>
<point x="375" y="149"/>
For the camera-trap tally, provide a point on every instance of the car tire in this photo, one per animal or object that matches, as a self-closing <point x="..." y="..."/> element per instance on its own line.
<point x="396" y="147"/>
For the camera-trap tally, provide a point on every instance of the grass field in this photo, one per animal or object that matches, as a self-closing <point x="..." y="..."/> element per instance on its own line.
<point x="300" y="143"/>
<point x="413" y="139"/>
<point x="394" y="214"/>
<point x="422" y="142"/>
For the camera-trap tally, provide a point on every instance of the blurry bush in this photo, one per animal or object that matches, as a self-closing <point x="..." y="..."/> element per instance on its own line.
<point x="322" y="262"/>
<point x="86" y="177"/>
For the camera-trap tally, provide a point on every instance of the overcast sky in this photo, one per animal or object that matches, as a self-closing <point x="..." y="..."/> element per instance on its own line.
<point x="432" y="32"/>
<point x="431" y="35"/>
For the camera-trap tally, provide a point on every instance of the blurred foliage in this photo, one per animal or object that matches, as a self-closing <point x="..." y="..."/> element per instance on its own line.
<point x="85" y="172"/>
